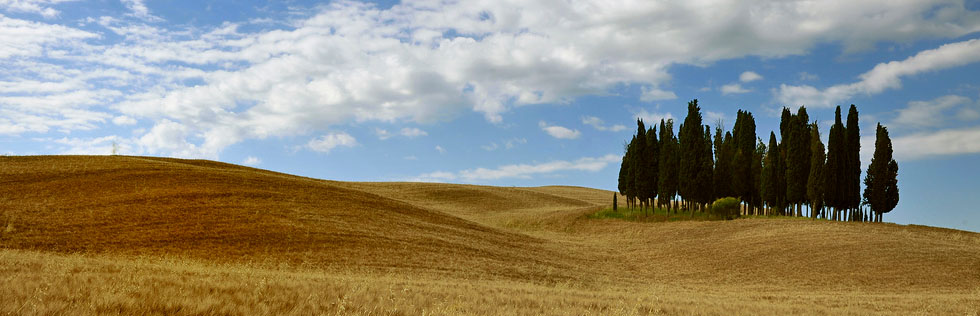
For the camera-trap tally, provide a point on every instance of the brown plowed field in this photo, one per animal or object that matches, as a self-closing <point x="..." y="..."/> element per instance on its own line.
<point x="140" y="235"/>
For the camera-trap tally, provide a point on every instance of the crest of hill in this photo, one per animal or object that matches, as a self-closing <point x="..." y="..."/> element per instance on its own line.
<point x="227" y="213"/>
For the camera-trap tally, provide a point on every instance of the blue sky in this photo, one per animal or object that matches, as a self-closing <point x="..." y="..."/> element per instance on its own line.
<point x="511" y="93"/>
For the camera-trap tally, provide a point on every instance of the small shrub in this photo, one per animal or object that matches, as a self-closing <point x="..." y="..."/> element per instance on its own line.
<point x="726" y="207"/>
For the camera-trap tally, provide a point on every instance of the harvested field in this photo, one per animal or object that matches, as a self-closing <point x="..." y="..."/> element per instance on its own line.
<point x="128" y="235"/>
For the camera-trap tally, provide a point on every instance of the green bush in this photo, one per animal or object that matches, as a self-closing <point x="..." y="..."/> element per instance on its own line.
<point x="726" y="207"/>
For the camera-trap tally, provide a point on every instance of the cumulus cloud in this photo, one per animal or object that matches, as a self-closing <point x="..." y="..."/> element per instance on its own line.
<point x="251" y="161"/>
<point x="652" y="117"/>
<point x="937" y="143"/>
<point x="749" y="76"/>
<point x="883" y="76"/>
<point x="42" y="7"/>
<point x="655" y="94"/>
<point x="733" y="88"/>
<point x="599" y="124"/>
<point x="328" y="142"/>
<point x="414" y="62"/>
<point x="934" y="113"/>
<point x="139" y="10"/>
<point x="413" y="132"/>
<point x="559" y="132"/>
<point x="522" y="171"/>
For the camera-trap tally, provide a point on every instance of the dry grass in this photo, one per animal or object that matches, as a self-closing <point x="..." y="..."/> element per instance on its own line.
<point x="127" y="235"/>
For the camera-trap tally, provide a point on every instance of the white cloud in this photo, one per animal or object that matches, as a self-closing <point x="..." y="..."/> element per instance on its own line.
<point x="42" y="7"/>
<point x="251" y="161"/>
<point x="652" y="117"/>
<point x="440" y="149"/>
<point x="413" y="132"/>
<point x="932" y="113"/>
<point x="124" y="120"/>
<point x="749" y="76"/>
<point x="559" y="132"/>
<point x="883" y="76"/>
<point x="508" y="144"/>
<point x="937" y="143"/>
<point x="382" y="133"/>
<point x="415" y="62"/>
<point x="733" y="88"/>
<point x="330" y="141"/>
<point x="806" y="76"/>
<point x="710" y="118"/>
<point x="598" y="124"/>
<point x="139" y="10"/>
<point x="655" y="94"/>
<point x="522" y="171"/>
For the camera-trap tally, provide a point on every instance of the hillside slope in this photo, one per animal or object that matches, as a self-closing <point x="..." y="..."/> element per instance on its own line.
<point x="228" y="213"/>
<point x="533" y="249"/>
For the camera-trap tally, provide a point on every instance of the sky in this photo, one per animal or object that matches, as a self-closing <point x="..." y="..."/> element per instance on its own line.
<point x="497" y="92"/>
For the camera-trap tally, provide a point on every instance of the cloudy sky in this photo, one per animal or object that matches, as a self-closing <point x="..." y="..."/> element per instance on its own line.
<point x="494" y="92"/>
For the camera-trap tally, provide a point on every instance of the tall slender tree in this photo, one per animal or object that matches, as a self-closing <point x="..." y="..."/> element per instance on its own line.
<point x="640" y="162"/>
<point x="652" y="164"/>
<point x="744" y="136"/>
<point x="881" y="180"/>
<point x="773" y="177"/>
<point x="792" y="149"/>
<point x="724" y="150"/>
<point x="852" y="198"/>
<point x="834" y="170"/>
<point x="815" y="183"/>
<point x="706" y="173"/>
<point x="691" y="139"/>
<point x="760" y="152"/>
<point x="667" y="182"/>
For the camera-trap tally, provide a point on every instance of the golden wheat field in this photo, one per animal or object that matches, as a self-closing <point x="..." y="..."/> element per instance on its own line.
<point x="153" y="236"/>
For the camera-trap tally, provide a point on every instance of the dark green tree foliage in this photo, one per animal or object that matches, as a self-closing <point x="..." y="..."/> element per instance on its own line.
<point x="691" y="138"/>
<point x="615" y="202"/>
<point x="760" y="152"/>
<point x="642" y="174"/>
<point x="667" y="186"/>
<point x="706" y="174"/>
<point x="629" y="161"/>
<point x="774" y="177"/>
<point x="834" y="171"/>
<point x="815" y="184"/>
<point x="652" y="163"/>
<point x="743" y="134"/>
<point x="881" y="180"/>
<point x="852" y="185"/>
<point x="796" y="151"/>
<point x="623" y="170"/>
<point x="724" y="156"/>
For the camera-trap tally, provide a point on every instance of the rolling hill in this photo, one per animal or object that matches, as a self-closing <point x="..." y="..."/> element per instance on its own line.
<point x="195" y="229"/>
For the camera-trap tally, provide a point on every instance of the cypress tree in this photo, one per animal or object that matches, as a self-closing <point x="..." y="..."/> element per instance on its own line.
<point x="834" y="170"/>
<point x="724" y="149"/>
<point x="640" y="162"/>
<point x="706" y="173"/>
<point x="815" y="182"/>
<point x="745" y="141"/>
<point x="615" y="203"/>
<point x="690" y="137"/>
<point x="852" y="197"/>
<point x="630" y="172"/>
<point x="760" y="152"/>
<point x="881" y="180"/>
<point x="774" y="181"/>
<point x="652" y="164"/>
<point x="792" y="149"/>
<point x="803" y="121"/>
<point x="668" y="163"/>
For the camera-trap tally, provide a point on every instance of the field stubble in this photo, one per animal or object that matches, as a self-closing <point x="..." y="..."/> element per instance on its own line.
<point x="125" y="235"/>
